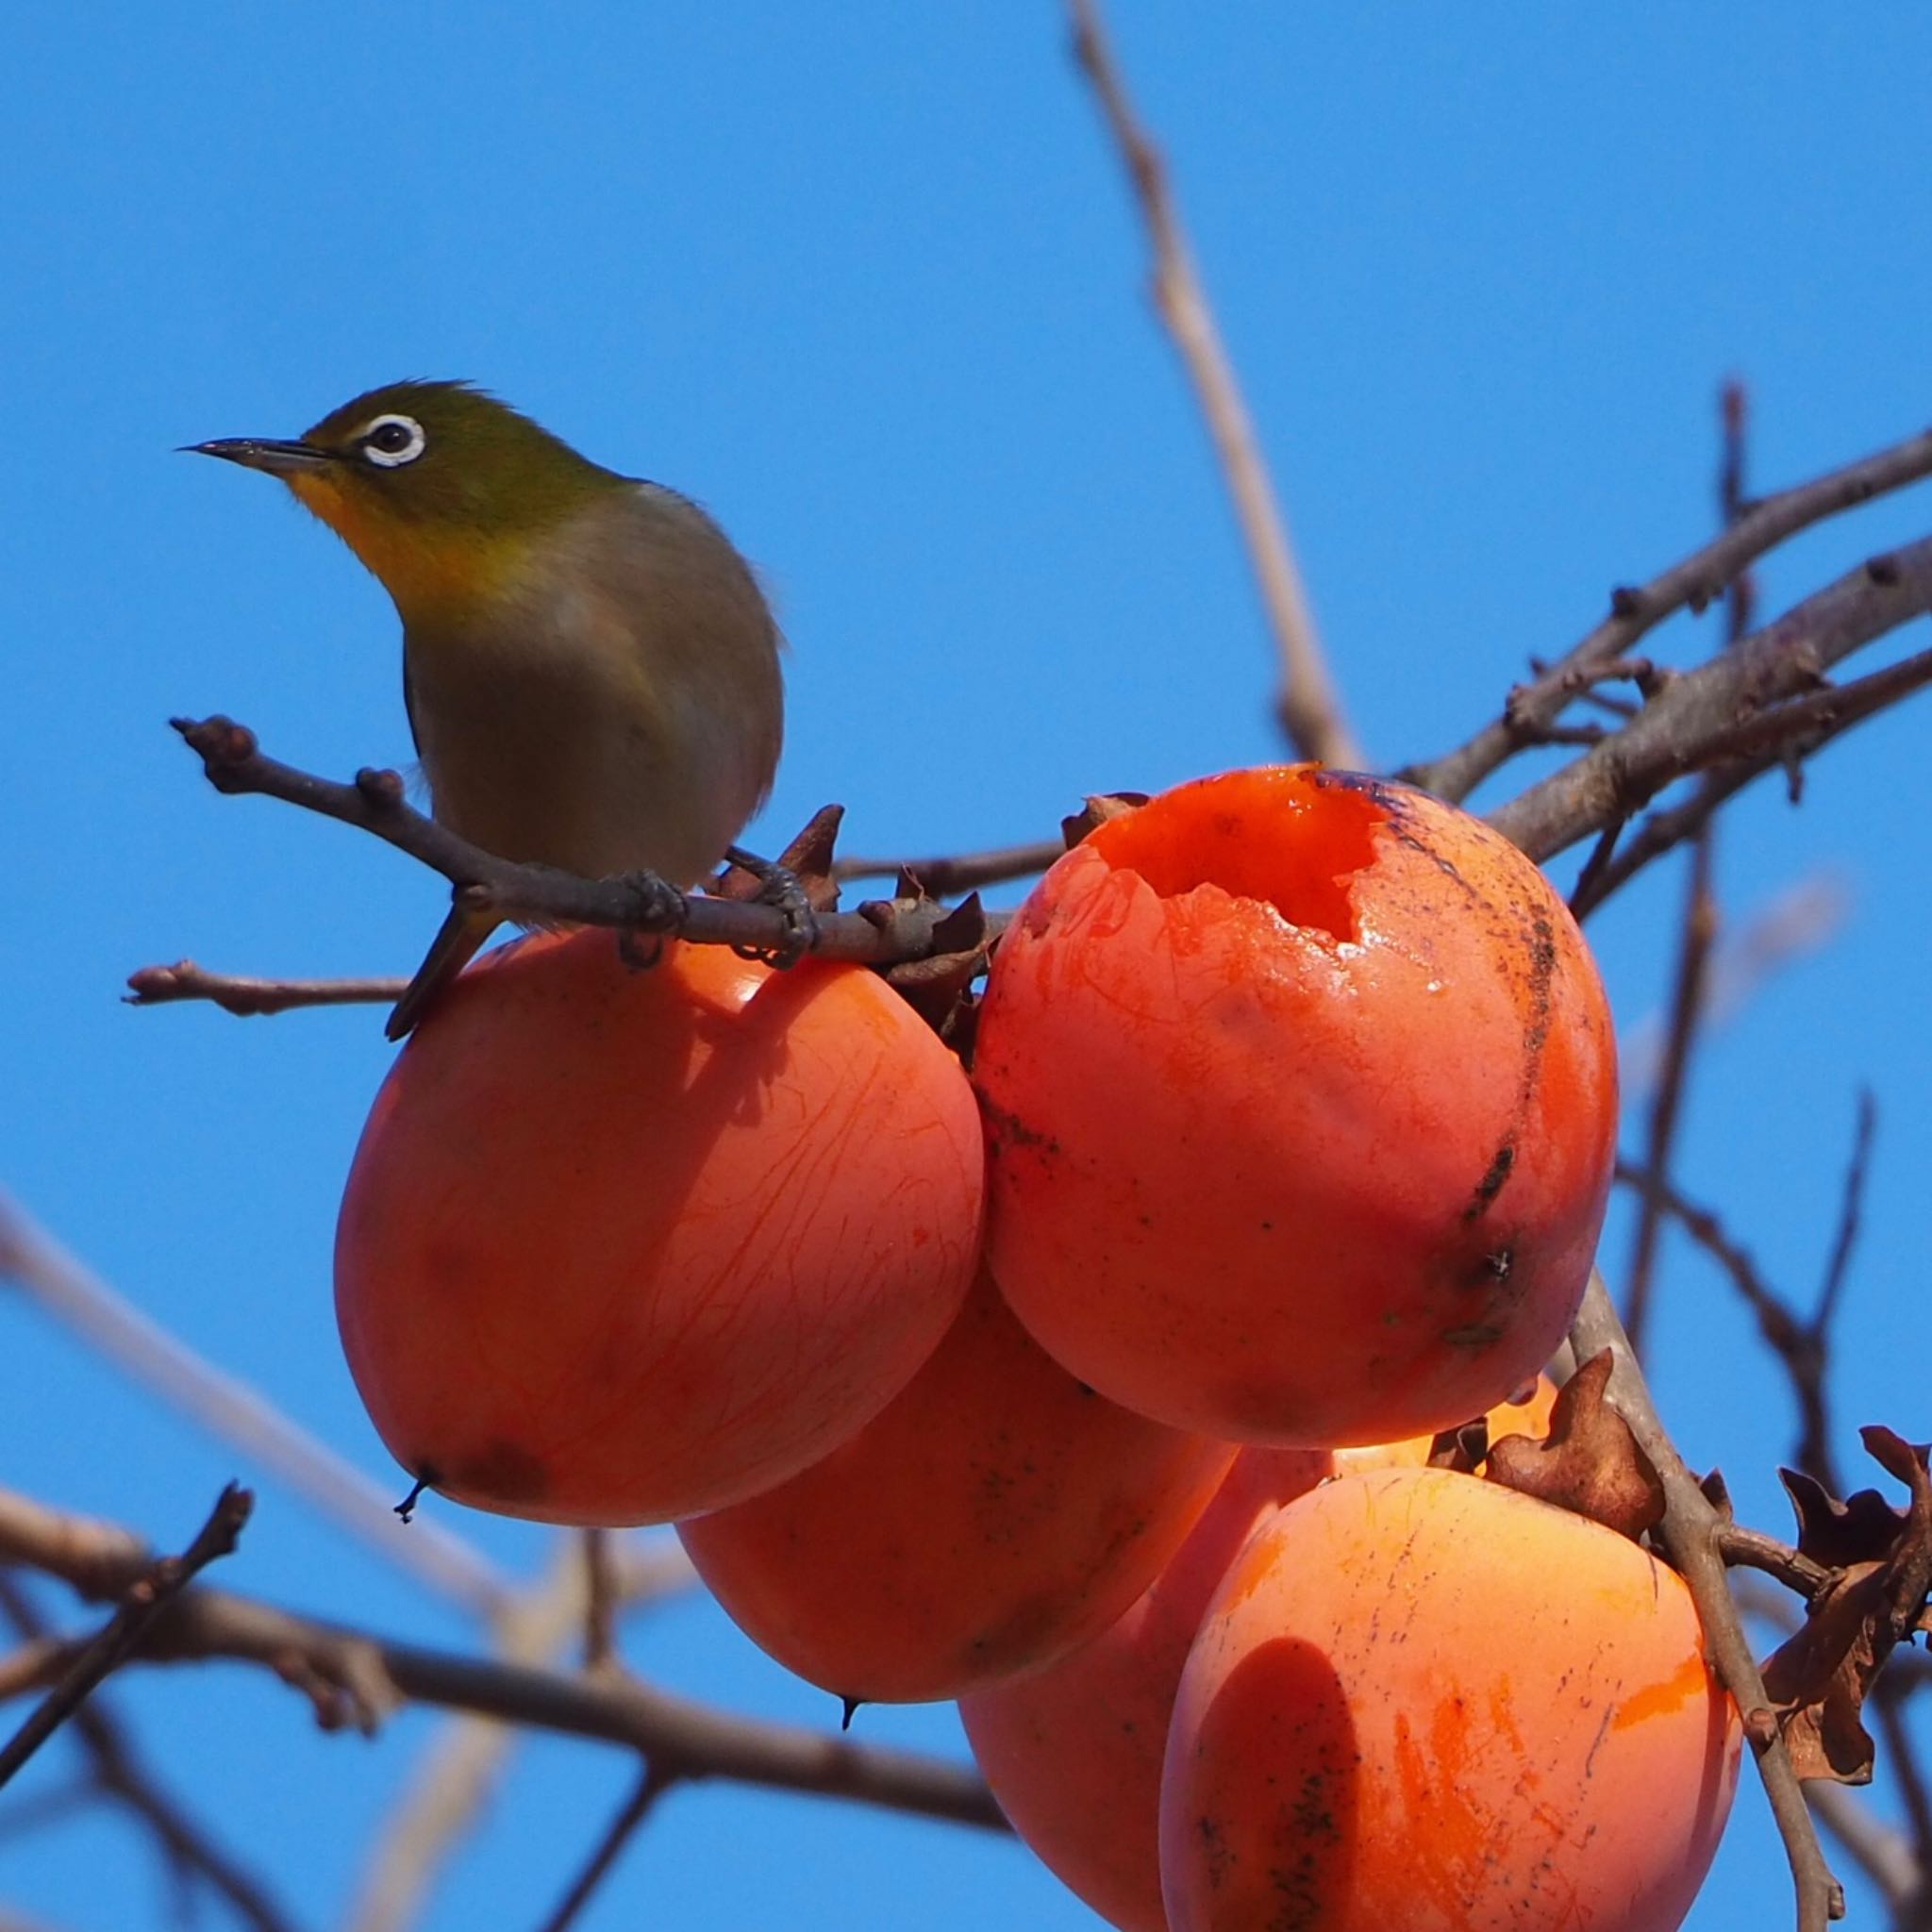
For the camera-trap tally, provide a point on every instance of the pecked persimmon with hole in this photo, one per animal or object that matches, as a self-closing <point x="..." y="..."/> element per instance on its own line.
<point x="620" y="1245"/>
<point x="1074" y="1752"/>
<point x="1301" y="1102"/>
<point x="994" y="1516"/>
<point x="1422" y="1701"/>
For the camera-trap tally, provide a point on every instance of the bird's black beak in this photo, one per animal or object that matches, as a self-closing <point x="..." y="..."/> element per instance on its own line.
<point x="257" y="452"/>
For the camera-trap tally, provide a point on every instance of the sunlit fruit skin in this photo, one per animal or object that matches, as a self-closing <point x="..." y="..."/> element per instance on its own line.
<point x="1074" y="1752"/>
<point x="1319" y="1178"/>
<point x="1423" y="1702"/>
<point x="619" y="1246"/>
<point x="995" y="1515"/>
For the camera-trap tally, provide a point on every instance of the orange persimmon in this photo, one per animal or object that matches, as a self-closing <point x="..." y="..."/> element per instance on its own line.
<point x="620" y="1245"/>
<point x="1301" y="1103"/>
<point x="1074" y="1752"/>
<point x="1423" y="1702"/>
<point x="995" y="1515"/>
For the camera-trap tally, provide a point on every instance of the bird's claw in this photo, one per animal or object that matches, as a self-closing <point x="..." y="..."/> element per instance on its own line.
<point x="779" y="887"/>
<point x="660" y="910"/>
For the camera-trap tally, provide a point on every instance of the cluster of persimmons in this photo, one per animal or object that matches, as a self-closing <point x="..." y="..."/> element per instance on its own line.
<point x="1095" y="1387"/>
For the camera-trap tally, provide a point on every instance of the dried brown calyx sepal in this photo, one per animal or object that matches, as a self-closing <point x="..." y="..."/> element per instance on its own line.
<point x="1588" y="1462"/>
<point x="940" y="988"/>
<point x="1099" y="807"/>
<point x="1881" y="1558"/>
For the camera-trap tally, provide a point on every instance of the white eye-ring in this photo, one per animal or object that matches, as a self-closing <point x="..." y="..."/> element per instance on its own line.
<point x="390" y="442"/>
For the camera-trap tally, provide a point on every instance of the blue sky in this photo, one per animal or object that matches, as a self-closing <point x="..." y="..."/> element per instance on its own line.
<point x="864" y="280"/>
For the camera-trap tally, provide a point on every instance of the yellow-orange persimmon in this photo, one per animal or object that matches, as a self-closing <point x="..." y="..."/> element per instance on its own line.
<point x="620" y="1245"/>
<point x="996" y="1514"/>
<point x="1074" y="1752"/>
<point x="1423" y="1702"/>
<point x="1301" y="1103"/>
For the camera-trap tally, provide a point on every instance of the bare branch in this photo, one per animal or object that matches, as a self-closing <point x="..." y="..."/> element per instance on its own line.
<point x="1690" y="1531"/>
<point x="246" y="995"/>
<point x="1800" y="1346"/>
<point x="492" y="890"/>
<point x="1699" y="931"/>
<point x="1708" y="713"/>
<point x="1308" y="705"/>
<point x="1850" y="1211"/>
<point x="233" y="1413"/>
<point x="688" y="1739"/>
<point x="144" y="1601"/>
<point x="1793" y="731"/>
<point x="964" y="872"/>
<point x="1696" y="582"/>
<point x="118" y="1772"/>
<point x="461" y="1768"/>
<point x="651" y="1786"/>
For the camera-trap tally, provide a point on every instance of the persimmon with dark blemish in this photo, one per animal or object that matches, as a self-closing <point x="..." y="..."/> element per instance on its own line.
<point x="1074" y="1752"/>
<point x="1277" y="1066"/>
<point x="618" y="1245"/>
<point x="1446" y="1707"/>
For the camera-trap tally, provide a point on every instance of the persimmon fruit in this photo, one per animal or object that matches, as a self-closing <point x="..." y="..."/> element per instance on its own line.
<point x="620" y="1245"/>
<point x="1423" y="1702"/>
<point x="1301" y="1102"/>
<point x="994" y="1516"/>
<point x="1074" y="1752"/>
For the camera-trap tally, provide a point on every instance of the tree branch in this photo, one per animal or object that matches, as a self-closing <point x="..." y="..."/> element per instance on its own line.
<point x="1696" y="582"/>
<point x="235" y="1414"/>
<point x="880" y="933"/>
<point x="1715" y="711"/>
<point x="118" y="1774"/>
<point x="1691" y="1532"/>
<point x="144" y="1601"/>
<point x="1308" y="704"/>
<point x="349" y="1672"/>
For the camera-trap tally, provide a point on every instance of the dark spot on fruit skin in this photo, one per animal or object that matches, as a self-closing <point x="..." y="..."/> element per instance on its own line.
<point x="1009" y="1129"/>
<point x="1501" y="1163"/>
<point x="502" y="1469"/>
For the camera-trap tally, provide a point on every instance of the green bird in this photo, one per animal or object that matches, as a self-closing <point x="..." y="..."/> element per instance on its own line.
<point x="590" y="667"/>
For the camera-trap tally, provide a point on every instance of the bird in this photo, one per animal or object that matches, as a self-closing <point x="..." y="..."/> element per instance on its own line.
<point x="591" y="670"/>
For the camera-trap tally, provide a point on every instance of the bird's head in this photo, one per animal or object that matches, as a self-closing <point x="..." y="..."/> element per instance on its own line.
<point x="441" y="489"/>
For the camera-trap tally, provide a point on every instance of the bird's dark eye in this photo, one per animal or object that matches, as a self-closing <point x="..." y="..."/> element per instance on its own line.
<point x="391" y="442"/>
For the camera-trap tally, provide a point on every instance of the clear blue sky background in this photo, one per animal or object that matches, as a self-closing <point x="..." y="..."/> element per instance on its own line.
<point x="864" y="279"/>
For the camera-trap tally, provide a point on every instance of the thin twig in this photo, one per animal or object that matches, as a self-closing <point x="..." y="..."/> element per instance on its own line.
<point x="235" y="1414"/>
<point x="962" y="872"/>
<point x="651" y="1786"/>
<point x="1800" y="730"/>
<point x="118" y="1772"/>
<point x="1761" y="695"/>
<point x="247" y="995"/>
<point x="1698" y="933"/>
<point x="1799" y="919"/>
<point x="1308" y="704"/>
<point x="145" y="1600"/>
<point x="494" y="889"/>
<point x="600" y="1598"/>
<point x="463" y="1766"/>
<point x="370" y="1675"/>
<point x="1696" y="581"/>
<point x="1689" y="1532"/>
<point x="1850" y="1211"/>
<point x="1799" y="1345"/>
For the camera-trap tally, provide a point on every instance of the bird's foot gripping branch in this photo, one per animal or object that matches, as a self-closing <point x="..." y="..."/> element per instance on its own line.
<point x="778" y="911"/>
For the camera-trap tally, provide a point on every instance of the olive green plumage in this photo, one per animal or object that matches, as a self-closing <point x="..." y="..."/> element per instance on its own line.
<point x="591" y="668"/>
